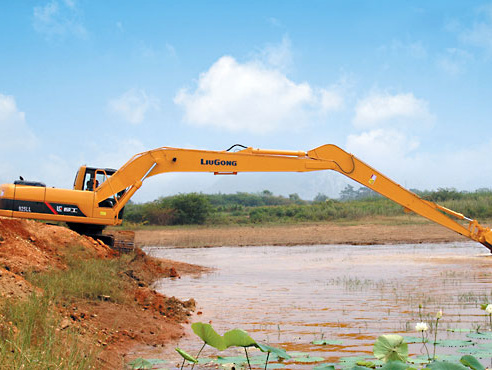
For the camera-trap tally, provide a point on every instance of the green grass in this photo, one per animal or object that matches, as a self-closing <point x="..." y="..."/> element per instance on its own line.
<point x="264" y="208"/>
<point x="31" y="338"/>
<point x="91" y="279"/>
<point x="30" y="332"/>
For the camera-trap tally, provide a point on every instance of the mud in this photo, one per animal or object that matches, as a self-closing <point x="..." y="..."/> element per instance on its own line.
<point x="402" y="230"/>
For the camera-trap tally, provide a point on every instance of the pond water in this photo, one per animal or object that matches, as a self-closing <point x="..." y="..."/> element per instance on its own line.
<point x="291" y="296"/>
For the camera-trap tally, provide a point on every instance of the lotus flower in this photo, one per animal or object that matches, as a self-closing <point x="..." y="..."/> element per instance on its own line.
<point x="421" y="326"/>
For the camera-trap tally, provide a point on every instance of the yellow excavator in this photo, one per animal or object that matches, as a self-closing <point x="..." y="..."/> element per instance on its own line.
<point x="100" y="194"/>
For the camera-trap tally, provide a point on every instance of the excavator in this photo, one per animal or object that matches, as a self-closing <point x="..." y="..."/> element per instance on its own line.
<point x="99" y="195"/>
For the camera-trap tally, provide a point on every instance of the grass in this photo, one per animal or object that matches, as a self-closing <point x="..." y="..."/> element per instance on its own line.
<point x="243" y="208"/>
<point x="30" y="333"/>
<point x="90" y="279"/>
<point x="31" y="338"/>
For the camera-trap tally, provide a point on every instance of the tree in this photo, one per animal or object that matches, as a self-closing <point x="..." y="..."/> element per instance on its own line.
<point x="295" y="198"/>
<point x="348" y="193"/>
<point x="320" y="198"/>
<point x="190" y="208"/>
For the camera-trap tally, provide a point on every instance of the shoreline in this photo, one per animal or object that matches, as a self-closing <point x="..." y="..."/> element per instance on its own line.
<point x="75" y="291"/>
<point x="380" y="230"/>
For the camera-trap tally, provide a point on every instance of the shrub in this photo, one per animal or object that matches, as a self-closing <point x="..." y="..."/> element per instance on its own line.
<point x="190" y="208"/>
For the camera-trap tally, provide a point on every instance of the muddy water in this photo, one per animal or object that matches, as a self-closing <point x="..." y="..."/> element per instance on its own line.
<point x="290" y="296"/>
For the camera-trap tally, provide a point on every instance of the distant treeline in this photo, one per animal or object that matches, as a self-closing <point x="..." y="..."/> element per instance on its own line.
<point x="265" y="207"/>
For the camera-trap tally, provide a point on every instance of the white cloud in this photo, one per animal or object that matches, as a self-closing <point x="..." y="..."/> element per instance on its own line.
<point x="133" y="105"/>
<point x="18" y="141"/>
<point x="381" y="144"/>
<point x="274" y="22"/>
<point x="171" y="50"/>
<point x="278" y="55"/>
<point x="394" y="154"/>
<point x="58" y="19"/>
<point x="252" y="97"/>
<point x="454" y="61"/>
<point x="414" y="49"/>
<point x="380" y="108"/>
<point x="124" y="149"/>
<point x="55" y="20"/>
<point x="480" y="33"/>
<point x="15" y="132"/>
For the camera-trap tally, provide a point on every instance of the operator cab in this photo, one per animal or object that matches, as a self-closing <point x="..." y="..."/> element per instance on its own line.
<point x="90" y="178"/>
<point x="94" y="177"/>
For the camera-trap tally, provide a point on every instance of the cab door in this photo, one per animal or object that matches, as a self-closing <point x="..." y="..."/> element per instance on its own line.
<point x="103" y="209"/>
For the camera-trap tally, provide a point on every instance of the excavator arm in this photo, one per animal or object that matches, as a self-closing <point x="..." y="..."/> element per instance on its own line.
<point x="88" y="210"/>
<point x="129" y="178"/>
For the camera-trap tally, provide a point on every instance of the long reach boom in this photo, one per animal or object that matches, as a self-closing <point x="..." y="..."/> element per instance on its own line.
<point x="99" y="194"/>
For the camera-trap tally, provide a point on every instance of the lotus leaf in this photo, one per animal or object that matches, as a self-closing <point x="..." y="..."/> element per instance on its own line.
<point x="325" y="367"/>
<point x="487" y="335"/>
<point x="238" y="360"/>
<point x="414" y="340"/>
<point x="156" y="361"/>
<point x="209" y="335"/>
<point x="238" y="338"/>
<point x="366" y="363"/>
<point x="439" y="365"/>
<point x="141" y="363"/>
<point x="298" y="354"/>
<point x="395" y="365"/>
<point x="391" y="347"/>
<point x="185" y="355"/>
<point x="479" y="352"/>
<point x="327" y="342"/>
<point x="352" y="359"/>
<point x="472" y="362"/>
<point x="448" y="357"/>
<point x="308" y="359"/>
<point x="418" y="360"/>
<point x="280" y="352"/>
<point x="454" y="343"/>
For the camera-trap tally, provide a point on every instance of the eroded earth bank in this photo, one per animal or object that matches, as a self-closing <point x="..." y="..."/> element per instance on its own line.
<point x="67" y="301"/>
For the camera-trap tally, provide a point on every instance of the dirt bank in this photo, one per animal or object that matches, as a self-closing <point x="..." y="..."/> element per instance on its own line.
<point x="145" y="317"/>
<point x="395" y="230"/>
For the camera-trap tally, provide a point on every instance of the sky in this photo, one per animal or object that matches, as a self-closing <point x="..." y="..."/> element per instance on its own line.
<point x="406" y="86"/>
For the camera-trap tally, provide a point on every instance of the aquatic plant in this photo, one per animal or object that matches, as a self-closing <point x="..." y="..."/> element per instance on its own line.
<point x="438" y="317"/>
<point x="422" y="327"/>
<point x="488" y="309"/>
<point x="186" y="357"/>
<point x="232" y="338"/>
<point x="391" y="347"/>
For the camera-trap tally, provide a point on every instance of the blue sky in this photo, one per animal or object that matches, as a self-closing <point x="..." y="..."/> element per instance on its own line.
<point x="405" y="86"/>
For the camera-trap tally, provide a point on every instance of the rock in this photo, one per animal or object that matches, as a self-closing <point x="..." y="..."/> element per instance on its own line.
<point x="173" y="272"/>
<point x="65" y="323"/>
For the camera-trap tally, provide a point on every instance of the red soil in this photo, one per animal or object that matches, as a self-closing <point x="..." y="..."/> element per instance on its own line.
<point x="148" y="318"/>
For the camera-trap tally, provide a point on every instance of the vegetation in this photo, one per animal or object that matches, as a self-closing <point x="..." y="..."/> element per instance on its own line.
<point x="264" y="207"/>
<point x="31" y="338"/>
<point x="92" y="279"/>
<point x="32" y="334"/>
<point x="390" y="353"/>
